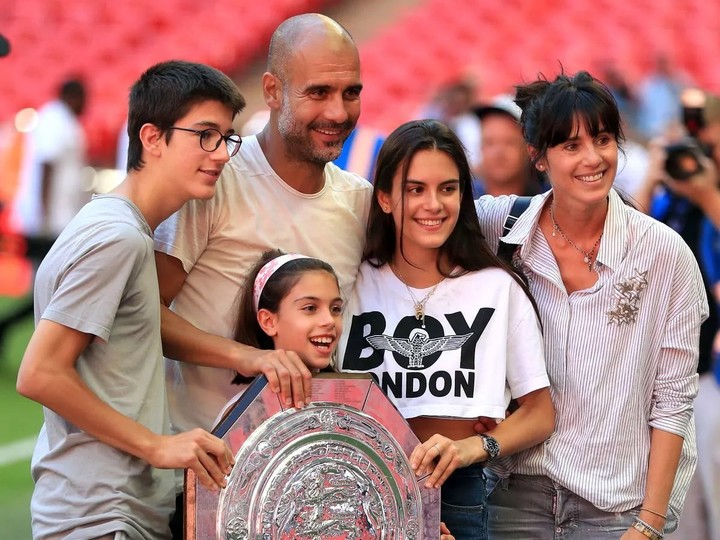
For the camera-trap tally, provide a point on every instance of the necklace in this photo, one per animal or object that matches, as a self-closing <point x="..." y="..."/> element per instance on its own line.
<point x="419" y="305"/>
<point x="587" y="255"/>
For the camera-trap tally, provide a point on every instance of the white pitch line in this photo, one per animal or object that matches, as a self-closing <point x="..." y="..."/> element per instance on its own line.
<point x="17" y="451"/>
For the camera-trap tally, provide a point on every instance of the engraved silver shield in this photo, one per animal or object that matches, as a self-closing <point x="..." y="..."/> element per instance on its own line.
<point x="336" y="469"/>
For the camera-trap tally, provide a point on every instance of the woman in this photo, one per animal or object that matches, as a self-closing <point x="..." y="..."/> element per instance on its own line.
<point x="621" y="299"/>
<point x="447" y="330"/>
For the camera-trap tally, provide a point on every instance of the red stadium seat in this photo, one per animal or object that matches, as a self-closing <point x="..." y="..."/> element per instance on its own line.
<point x="403" y="64"/>
<point x="111" y="43"/>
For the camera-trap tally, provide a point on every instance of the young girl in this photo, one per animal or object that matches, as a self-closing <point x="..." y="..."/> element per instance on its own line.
<point x="293" y="302"/>
<point x="447" y="330"/>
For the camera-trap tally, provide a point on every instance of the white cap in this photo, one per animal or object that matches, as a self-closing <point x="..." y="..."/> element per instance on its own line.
<point x="503" y="103"/>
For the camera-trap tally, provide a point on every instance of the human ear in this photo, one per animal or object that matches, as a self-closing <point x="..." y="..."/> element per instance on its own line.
<point x="540" y="164"/>
<point x="268" y="322"/>
<point x="272" y="89"/>
<point x="383" y="200"/>
<point x="151" y="138"/>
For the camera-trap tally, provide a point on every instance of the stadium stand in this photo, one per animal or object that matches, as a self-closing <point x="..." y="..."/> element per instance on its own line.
<point x="109" y="44"/>
<point x="404" y="63"/>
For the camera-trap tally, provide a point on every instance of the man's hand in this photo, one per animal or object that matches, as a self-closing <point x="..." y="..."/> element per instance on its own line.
<point x="484" y="424"/>
<point x="698" y="187"/>
<point x="287" y="375"/>
<point x="208" y="457"/>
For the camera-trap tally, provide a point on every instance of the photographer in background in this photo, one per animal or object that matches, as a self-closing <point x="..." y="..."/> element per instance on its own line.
<point x="682" y="189"/>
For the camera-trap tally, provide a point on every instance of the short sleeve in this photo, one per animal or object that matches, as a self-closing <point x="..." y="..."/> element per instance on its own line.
<point x="50" y="135"/>
<point x="526" y="370"/>
<point x="90" y="288"/>
<point x="492" y="213"/>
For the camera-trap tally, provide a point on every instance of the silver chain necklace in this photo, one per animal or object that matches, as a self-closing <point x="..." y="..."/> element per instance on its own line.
<point x="419" y="305"/>
<point x="587" y="255"/>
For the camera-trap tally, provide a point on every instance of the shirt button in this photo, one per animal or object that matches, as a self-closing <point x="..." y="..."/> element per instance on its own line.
<point x="558" y="530"/>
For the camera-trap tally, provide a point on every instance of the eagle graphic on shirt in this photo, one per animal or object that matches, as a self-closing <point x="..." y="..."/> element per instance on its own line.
<point x="418" y="345"/>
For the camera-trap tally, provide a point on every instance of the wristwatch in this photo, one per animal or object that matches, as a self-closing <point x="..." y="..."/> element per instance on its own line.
<point x="491" y="446"/>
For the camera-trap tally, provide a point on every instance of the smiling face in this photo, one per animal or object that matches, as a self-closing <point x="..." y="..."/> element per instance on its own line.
<point x="582" y="168"/>
<point x="320" y="102"/>
<point x="193" y="171"/>
<point x="309" y="319"/>
<point x="426" y="206"/>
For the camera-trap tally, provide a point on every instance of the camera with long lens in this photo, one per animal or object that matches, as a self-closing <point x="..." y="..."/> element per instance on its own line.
<point x="684" y="158"/>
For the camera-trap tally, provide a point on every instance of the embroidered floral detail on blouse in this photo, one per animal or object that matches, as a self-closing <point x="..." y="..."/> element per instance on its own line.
<point x="627" y="297"/>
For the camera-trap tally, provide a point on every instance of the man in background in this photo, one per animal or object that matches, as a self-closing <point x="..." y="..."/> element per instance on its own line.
<point x="53" y="183"/>
<point x="505" y="167"/>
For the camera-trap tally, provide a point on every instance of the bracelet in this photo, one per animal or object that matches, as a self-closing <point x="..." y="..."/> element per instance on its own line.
<point x="646" y="524"/>
<point x="653" y="512"/>
<point x="647" y="530"/>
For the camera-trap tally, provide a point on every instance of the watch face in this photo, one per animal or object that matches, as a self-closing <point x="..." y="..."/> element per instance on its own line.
<point x="491" y="446"/>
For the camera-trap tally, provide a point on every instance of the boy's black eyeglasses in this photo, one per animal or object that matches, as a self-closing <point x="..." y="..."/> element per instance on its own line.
<point x="211" y="138"/>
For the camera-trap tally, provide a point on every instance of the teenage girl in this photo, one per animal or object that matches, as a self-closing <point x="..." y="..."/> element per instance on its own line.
<point x="447" y="329"/>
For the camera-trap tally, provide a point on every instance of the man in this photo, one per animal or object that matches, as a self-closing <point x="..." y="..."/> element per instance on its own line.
<point x="505" y="167"/>
<point x="280" y="191"/>
<point x="95" y="359"/>
<point x="52" y="183"/>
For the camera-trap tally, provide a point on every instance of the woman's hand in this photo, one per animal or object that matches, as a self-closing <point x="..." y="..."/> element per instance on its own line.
<point x="445" y="532"/>
<point x="441" y="456"/>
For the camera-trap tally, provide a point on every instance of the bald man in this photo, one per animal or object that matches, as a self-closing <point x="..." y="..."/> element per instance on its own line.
<point x="280" y="191"/>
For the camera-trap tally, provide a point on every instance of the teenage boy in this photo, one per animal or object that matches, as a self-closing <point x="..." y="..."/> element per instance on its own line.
<point x="102" y="464"/>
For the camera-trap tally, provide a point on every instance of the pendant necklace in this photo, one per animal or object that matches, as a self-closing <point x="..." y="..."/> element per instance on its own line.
<point x="587" y="255"/>
<point x="419" y="305"/>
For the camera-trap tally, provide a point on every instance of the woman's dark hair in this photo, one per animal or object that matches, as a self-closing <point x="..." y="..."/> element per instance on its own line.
<point x="466" y="247"/>
<point x="550" y="110"/>
<point x="248" y="329"/>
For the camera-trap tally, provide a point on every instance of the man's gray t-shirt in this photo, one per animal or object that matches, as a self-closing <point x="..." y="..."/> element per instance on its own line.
<point x="100" y="278"/>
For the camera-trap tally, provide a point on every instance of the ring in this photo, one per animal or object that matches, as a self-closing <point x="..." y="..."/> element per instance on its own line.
<point x="435" y="446"/>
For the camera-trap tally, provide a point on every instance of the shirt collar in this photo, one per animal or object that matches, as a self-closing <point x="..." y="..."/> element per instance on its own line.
<point x="615" y="233"/>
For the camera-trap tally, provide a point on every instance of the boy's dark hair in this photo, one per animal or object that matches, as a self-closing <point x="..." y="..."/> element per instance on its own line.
<point x="549" y="110"/>
<point x="166" y="92"/>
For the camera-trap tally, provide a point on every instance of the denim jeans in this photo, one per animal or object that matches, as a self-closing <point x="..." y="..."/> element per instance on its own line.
<point x="536" y="508"/>
<point x="463" y="504"/>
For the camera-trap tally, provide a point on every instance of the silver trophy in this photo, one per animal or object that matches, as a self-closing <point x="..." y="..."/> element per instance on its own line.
<point x="337" y="469"/>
